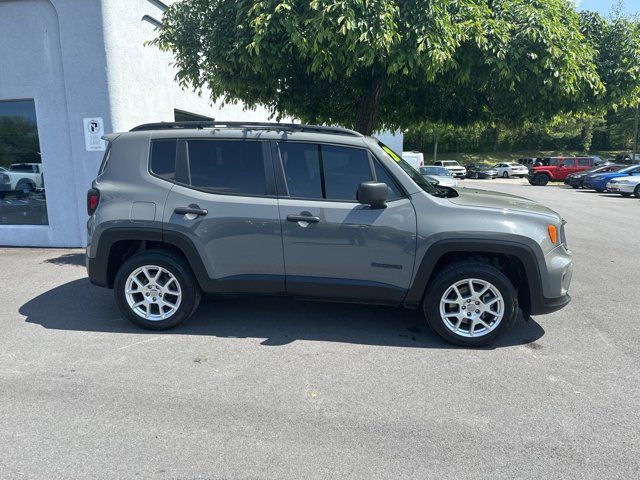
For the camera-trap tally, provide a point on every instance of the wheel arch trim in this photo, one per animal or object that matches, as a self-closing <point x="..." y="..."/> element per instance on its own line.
<point x="523" y="248"/>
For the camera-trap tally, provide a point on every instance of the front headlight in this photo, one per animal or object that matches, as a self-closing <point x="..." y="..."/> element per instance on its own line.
<point x="563" y="235"/>
<point x="620" y="181"/>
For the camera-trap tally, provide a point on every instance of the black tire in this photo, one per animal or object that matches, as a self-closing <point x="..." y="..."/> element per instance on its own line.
<point x="476" y="175"/>
<point x="24" y="188"/>
<point x="461" y="271"/>
<point x="636" y="191"/>
<point x="179" y="268"/>
<point x="599" y="190"/>
<point x="505" y="175"/>
<point x="574" y="186"/>
<point x="541" y="179"/>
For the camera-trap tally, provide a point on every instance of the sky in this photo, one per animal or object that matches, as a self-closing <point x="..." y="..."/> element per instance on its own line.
<point x="603" y="6"/>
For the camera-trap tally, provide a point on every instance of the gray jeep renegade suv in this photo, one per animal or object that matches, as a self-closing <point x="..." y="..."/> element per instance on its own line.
<point x="180" y="209"/>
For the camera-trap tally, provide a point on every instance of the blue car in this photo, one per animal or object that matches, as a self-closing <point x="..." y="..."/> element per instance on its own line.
<point x="598" y="181"/>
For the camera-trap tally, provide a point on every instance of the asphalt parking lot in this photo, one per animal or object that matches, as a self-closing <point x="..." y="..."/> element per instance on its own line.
<point x="280" y="389"/>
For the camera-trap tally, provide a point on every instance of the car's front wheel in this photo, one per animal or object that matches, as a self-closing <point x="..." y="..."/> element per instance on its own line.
<point x="505" y="174"/>
<point x="636" y="191"/>
<point x="470" y="304"/>
<point x="156" y="290"/>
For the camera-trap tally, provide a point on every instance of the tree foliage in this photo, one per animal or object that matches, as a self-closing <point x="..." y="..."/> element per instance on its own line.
<point x="616" y="41"/>
<point x="380" y="63"/>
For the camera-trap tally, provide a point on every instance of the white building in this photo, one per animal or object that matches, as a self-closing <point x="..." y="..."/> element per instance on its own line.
<point x="67" y="68"/>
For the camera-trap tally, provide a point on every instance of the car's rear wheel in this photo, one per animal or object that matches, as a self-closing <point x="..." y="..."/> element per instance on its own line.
<point x="156" y="290"/>
<point x="505" y="175"/>
<point x="636" y="191"/>
<point x="599" y="190"/>
<point x="470" y="304"/>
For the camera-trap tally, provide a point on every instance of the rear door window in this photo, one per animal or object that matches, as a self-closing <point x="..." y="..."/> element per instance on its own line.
<point x="227" y="166"/>
<point x="584" y="162"/>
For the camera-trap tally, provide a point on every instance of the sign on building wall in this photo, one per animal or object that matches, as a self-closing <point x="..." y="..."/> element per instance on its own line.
<point x="93" y="132"/>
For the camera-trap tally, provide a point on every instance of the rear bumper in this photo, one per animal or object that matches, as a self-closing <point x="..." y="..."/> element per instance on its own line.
<point x="97" y="271"/>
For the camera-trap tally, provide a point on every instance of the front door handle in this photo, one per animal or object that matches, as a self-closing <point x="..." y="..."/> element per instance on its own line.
<point x="191" y="211"/>
<point x="303" y="218"/>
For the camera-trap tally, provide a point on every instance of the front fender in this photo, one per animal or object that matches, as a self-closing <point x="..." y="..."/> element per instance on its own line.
<point x="527" y="251"/>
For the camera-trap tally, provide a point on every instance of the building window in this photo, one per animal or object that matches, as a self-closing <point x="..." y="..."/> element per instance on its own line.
<point x="22" y="195"/>
<point x="182" y="116"/>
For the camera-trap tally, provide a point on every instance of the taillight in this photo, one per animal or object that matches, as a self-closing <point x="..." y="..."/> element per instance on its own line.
<point x="93" y="199"/>
<point x="422" y="163"/>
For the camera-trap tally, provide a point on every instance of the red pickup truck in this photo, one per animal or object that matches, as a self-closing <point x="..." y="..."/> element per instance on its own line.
<point x="558" y="168"/>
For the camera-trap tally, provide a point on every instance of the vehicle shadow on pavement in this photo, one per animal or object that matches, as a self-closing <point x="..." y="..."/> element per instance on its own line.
<point x="80" y="306"/>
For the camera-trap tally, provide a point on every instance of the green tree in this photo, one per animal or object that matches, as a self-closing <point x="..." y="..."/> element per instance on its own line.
<point x="380" y="63"/>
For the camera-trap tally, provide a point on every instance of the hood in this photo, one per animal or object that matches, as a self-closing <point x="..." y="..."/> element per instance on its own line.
<point x="607" y="175"/>
<point x="500" y="201"/>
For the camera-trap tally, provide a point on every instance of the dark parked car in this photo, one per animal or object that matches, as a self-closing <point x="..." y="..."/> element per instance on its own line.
<point x="576" y="180"/>
<point x="481" y="171"/>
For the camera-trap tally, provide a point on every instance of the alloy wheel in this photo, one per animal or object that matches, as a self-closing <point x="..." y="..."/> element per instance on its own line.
<point x="153" y="292"/>
<point x="472" y="308"/>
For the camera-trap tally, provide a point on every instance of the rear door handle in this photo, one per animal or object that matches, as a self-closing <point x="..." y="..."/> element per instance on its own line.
<point x="191" y="211"/>
<point x="303" y="218"/>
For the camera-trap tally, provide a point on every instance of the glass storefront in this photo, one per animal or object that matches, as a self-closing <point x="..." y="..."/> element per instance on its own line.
<point x="22" y="194"/>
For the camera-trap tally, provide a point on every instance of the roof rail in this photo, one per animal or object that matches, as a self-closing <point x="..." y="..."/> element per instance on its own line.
<point x="294" y="127"/>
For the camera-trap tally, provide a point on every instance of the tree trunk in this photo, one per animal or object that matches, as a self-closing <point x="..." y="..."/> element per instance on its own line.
<point x="496" y="137"/>
<point x="369" y="105"/>
<point x="435" y="148"/>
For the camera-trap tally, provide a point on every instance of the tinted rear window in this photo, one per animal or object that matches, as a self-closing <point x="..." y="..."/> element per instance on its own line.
<point x="163" y="158"/>
<point x="227" y="166"/>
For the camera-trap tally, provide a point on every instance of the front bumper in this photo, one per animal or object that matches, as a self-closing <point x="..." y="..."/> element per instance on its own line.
<point x="572" y="181"/>
<point x="549" y="305"/>
<point x="620" y="187"/>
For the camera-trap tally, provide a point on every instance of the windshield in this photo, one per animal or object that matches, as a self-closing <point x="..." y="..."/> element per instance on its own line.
<point x="633" y="168"/>
<point x="437" y="171"/>
<point x="409" y="170"/>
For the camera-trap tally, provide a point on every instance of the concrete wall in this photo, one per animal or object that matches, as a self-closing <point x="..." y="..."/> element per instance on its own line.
<point x="51" y="51"/>
<point x="78" y="59"/>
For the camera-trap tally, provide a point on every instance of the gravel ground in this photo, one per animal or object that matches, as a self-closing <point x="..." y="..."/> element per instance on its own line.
<point x="281" y="389"/>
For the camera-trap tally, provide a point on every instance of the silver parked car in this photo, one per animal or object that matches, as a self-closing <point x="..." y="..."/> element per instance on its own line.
<point x="441" y="174"/>
<point x="182" y="209"/>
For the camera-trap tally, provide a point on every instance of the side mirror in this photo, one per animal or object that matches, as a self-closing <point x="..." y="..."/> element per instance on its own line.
<point x="373" y="193"/>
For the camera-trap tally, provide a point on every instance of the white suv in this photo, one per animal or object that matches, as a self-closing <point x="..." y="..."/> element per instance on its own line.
<point x="454" y="167"/>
